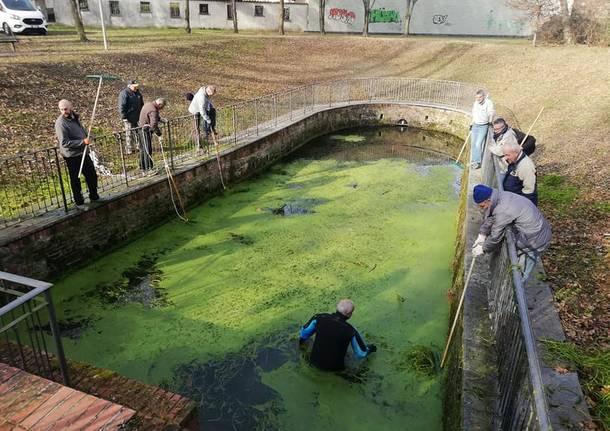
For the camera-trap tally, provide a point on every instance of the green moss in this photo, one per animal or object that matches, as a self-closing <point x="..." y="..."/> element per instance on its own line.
<point x="557" y="191"/>
<point x="593" y="367"/>
<point x="239" y="276"/>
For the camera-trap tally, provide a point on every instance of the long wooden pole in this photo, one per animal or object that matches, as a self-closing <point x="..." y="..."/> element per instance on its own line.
<point x="457" y="312"/>
<point x="222" y="181"/>
<point x="463" y="146"/>
<point x="531" y="127"/>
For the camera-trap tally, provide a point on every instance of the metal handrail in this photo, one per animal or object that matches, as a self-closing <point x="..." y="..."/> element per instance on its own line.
<point x="535" y="373"/>
<point x="22" y="304"/>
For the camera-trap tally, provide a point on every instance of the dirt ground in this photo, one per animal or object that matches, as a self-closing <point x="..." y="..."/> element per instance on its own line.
<point x="572" y="83"/>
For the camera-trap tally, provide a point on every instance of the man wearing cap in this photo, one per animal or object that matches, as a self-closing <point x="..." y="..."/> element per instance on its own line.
<point x="150" y="118"/>
<point x="508" y="210"/>
<point x="333" y="335"/>
<point x="72" y="141"/>
<point x="520" y="176"/>
<point x="201" y="107"/>
<point x="130" y="105"/>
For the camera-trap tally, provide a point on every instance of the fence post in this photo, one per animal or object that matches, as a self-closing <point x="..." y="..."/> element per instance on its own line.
<point x="256" y="114"/>
<point x="330" y="95"/>
<point x="63" y="366"/>
<point x="313" y="96"/>
<point x="171" y="144"/>
<point x="274" y="111"/>
<point x="120" y="144"/>
<point x="234" y="124"/>
<point x="61" y="182"/>
<point x="290" y="103"/>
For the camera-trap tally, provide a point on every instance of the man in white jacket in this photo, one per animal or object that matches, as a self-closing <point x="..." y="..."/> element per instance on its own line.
<point x="483" y="114"/>
<point x="201" y="107"/>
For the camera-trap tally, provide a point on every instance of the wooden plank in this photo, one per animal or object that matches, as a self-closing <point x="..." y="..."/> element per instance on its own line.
<point x="75" y="413"/>
<point x="58" y="412"/>
<point x="46" y="407"/>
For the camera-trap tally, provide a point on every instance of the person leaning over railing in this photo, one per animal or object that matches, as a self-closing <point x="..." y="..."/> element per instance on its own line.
<point x="150" y="118"/>
<point x="72" y="141"/>
<point x="520" y="176"/>
<point x="508" y="210"/>
<point x="503" y="134"/>
<point x="202" y="107"/>
<point x="483" y="113"/>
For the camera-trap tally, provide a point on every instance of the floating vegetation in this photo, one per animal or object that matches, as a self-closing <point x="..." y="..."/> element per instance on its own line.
<point x="422" y="360"/>
<point x="348" y="138"/>
<point x="241" y="239"/>
<point x="296" y="207"/>
<point x="71" y="327"/>
<point x="137" y="284"/>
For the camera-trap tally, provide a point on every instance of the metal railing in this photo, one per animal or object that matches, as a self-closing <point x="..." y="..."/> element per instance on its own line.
<point x="37" y="182"/>
<point x="29" y="335"/>
<point x="522" y="400"/>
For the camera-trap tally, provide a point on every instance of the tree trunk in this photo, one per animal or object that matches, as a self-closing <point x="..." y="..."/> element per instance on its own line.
<point x="365" y="27"/>
<point x="78" y="21"/>
<point x="567" y="29"/>
<point x="234" y="7"/>
<point x="187" y="16"/>
<point x="321" y="17"/>
<point x="282" y="17"/>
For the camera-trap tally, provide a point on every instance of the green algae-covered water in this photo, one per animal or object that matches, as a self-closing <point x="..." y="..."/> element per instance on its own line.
<point x="211" y="309"/>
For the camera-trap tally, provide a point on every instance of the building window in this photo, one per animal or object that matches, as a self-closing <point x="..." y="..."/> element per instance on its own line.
<point x="286" y="14"/>
<point x="258" y="10"/>
<point x="145" y="7"/>
<point x="229" y="12"/>
<point x="115" y="10"/>
<point x="83" y="5"/>
<point x="203" y="9"/>
<point x="174" y="10"/>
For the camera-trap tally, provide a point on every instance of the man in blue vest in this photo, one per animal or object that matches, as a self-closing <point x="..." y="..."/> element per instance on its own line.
<point x="520" y="175"/>
<point x="333" y="335"/>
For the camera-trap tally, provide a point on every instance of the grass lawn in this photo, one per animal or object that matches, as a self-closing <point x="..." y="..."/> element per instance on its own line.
<point x="572" y="83"/>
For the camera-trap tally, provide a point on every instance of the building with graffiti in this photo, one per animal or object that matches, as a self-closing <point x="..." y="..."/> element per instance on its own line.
<point x="429" y="17"/>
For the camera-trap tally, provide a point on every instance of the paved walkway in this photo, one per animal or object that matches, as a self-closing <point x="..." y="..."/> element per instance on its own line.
<point x="29" y="402"/>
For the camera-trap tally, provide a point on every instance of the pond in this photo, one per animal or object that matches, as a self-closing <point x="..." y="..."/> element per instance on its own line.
<point x="211" y="309"/>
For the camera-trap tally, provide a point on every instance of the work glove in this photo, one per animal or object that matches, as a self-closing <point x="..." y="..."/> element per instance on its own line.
<point x="87" y="141"/>
<point x="125" y="120"/>
<point x="480" y="239"/>
<point x="371" y="348"/>
<point x="209" y="121"/>
<point x="477" y="250"/>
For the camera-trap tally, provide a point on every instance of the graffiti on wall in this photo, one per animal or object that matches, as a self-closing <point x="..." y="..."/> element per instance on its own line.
<point x="342" y="15"/>
<point x="384" y="16"/>
<point x="439" y="19"/>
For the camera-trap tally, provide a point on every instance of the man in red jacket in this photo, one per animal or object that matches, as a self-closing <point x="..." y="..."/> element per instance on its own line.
<point x="149" y="122"/>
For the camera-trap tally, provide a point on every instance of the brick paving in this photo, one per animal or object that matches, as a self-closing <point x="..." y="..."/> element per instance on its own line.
<point x="32" y="403"/>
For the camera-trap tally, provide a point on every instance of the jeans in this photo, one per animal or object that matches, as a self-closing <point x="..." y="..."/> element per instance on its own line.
<point x="478" y="135"/>
<point x="527" y="261"/>
<point x="73" y="164"/>
<point x="131" y="137"/>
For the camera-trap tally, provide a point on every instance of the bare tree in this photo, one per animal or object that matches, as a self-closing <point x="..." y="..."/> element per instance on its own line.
<point x="368" y="5"/>
<point x="321" y="16"/>
<point x="565" y="15"/>
<point x="234" y="9"/>
<point x="187" y="16"/>
<point x="537" y="12"/>
<point x="408" y="15"/>
<point x="282" y="17"/>
<point x="78" y="21"/>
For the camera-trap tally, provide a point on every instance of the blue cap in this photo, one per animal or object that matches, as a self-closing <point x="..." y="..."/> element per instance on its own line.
<point x="481" y="193"/>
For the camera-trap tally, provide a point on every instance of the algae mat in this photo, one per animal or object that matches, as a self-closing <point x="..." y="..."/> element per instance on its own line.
<point x="212" y="309"/>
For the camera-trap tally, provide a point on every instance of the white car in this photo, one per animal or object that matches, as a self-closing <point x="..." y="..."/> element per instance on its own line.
<point x="21" y="16"/>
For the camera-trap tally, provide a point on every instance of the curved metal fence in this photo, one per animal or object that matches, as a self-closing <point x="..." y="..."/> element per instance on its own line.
<point x="37" y="182"/>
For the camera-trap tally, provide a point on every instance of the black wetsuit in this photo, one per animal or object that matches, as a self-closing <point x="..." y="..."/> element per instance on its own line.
<point x="333" y="335"/>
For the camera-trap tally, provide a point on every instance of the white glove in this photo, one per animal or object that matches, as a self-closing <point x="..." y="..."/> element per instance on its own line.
<point x="480" y="239"/>
<point x="477" y="250"/>
<point x="208" y="121"/>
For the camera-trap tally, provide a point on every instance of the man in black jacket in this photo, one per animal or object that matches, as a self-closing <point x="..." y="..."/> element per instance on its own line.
<point x="72" y="141"/>
<point x="130" y="105"/>
<point x="333" y="335"/>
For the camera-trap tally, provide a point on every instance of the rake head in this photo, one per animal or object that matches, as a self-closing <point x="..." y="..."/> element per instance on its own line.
<point x="102" y="77"/>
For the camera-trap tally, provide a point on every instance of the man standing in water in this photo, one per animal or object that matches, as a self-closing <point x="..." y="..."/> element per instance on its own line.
<point x="333" y="335"/>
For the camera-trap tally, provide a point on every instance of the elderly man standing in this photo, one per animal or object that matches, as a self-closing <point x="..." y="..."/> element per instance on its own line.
<point x="482" y="115"/>
<point x="149" y="122"/>
<point x="72" y="141"/>
<point x="520" y="176"/>
<point x="202" y="107"/>
<point x="506" y="210"/>
<point x="130" y="105"/>
<point x="503" y="134"/>
<point x="333" y="335"/>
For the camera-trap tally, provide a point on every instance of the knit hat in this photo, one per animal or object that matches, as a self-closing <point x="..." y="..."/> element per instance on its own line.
<point x="481" y="193"/>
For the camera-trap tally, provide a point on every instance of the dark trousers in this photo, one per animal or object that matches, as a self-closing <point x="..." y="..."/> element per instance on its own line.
<point x="146" y="161"/>
<point x="73" y="164"/>
<point x="212" y="126"/>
